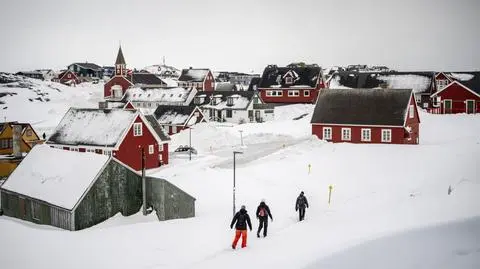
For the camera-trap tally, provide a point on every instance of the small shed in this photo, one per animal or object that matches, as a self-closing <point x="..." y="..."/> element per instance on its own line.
<point x="74" y="191"/>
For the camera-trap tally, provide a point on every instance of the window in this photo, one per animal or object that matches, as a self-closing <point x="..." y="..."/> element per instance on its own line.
<point x="269" y="93"/>
<point x="293" y="93"/>
<point x="306" y="93"/>
<point x="150" y="149"/>
<point x="69" y="76"/>
<point x="91" y="150"/>
<point x="255" y="100"/>
<point x="327" y="133"/>
<point x="174" y="129"/>
<point x="107" y="152"/>
<point x="366" y="135"/>
<point x="137" y="129"/>
<point x="346" y="134"/>
<point x="386" y="135"/>
<point x="29" y="132"/>
<point x="411" y="112"/>
<point x="213" y="101"/>
<point x="160" y="148"/>
<point x="230" y="101"/>
<point x="288" y="80"/>
<point x="441" y="83"/>
<point x="229" y="113"/>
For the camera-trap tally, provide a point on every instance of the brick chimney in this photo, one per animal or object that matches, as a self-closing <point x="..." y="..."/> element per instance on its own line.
<point x="17" y="137"/>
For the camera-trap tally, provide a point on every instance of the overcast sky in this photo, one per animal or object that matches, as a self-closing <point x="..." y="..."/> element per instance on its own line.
<point x="241" y="35"/>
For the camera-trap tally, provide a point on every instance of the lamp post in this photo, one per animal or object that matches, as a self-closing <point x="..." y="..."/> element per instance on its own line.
<point x="190" y="143"/>
<point x="144" y="184"/>
<point x="234" y="154"/>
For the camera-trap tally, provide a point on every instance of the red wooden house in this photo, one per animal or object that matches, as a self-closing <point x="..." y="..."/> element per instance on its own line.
<point x="68" y="78"/>
<point x="201" y="79"/>
<point x="117" y="132"/>
<point x="456" y="93"/>
<point x="387" y="116"/>
<point x="291" y="84"/>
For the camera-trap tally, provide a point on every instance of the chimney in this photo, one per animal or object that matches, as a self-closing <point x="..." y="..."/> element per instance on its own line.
<point x="17" y="137"/>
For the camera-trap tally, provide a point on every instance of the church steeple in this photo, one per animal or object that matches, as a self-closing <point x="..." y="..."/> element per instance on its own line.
<point x="120" y="64"/>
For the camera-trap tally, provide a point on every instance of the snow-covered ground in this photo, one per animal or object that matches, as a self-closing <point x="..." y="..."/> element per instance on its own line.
<point x="389" y="207"/>
<point x="43" y="103"/>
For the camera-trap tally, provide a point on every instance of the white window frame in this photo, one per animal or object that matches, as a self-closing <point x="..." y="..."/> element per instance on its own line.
<point x="441" y="83"/>
<point x="151" y="149"/>
<point x="364" y="137"/>
<point x="160" y="148"/>
<point x="306" y="93"/>
<point x="35" y="207"/>
<point x="327" y="133"/>
<point x="344" y="132"/>
<point x="268" y="93"/>
<point x="386" y="138"/>
<point x="293" y="93"/>
<point x="474" y="106"/>
<point x="107" y="152"/>
<point x="411" y="112"/>
<point x="288" y="80"/>
<point x="90" y="150"/>
<point x="137" y="129"/>
<point x="174" y="129"/>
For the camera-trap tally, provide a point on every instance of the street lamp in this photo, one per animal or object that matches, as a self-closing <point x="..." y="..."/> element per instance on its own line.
<point x="190" y="142"/>
<point x="234" y="154"/>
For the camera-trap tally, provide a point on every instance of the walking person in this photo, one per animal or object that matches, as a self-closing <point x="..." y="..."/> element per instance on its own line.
<point x="263" y="212"/>
<point x="300" y="205"/>
<point x="241" y="219"/>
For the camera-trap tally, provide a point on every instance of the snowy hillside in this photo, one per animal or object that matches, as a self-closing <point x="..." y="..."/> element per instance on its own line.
<point x="43" y="103"/>
<point x="389" y="209"/>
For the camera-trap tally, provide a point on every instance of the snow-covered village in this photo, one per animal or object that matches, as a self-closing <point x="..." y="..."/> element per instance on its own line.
<point x="273" y="134"/>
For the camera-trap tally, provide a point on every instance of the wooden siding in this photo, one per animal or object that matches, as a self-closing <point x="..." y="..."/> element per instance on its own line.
<point x="458" y="95"/>
<point x="117" y="80"/>
<point x="169" y="201"/>
<point x="117" y="189"/>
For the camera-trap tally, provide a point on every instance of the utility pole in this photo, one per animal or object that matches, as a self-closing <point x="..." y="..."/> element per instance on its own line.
<point x="144" y="184"/>
<point x="234" y="153"/>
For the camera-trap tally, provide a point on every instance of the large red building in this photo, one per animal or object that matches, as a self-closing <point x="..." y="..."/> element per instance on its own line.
<point x="120" y="133"/>
<point x="291" y="84"/>
<point x="386" y="116"/>
<point x="456" y="93"/>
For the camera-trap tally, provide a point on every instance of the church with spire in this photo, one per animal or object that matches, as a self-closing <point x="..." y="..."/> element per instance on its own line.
<point x="123" y="79"/>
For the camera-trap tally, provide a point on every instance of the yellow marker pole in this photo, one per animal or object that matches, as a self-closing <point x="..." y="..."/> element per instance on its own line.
<point x="309" y="168"/>
<point x="329" y="193"/>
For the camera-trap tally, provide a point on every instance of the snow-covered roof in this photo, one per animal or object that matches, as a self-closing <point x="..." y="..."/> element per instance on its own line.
<point x="56" y="176"/>
<point x="193" y="75"/>
<point x="173" y="115"/>
<point x="415" y="82"/>
<point x="161" y="95"/>
<point x="92" y="127"/>
<point x="170" y="82"/>
<point x="461" y="76"/>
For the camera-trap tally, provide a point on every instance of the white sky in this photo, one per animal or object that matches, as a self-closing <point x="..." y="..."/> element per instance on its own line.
<point x="241" y="35"/>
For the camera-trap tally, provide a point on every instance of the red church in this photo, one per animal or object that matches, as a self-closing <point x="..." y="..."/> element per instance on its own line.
<point x="118" y="84"/>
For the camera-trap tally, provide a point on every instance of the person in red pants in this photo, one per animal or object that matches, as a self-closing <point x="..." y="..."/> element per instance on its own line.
<point x="241" y="219"/>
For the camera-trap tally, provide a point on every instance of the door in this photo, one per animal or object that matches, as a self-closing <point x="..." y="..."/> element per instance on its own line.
<point x="250" y="115"/>
<point x="447" y="106"/>
<point x="470" y="106"/>
<point x="257" y="115"/>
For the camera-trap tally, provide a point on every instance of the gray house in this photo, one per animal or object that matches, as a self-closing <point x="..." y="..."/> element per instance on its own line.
<point x="48" y="188"/>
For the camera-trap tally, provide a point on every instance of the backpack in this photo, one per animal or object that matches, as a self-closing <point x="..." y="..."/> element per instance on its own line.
<point x="241" y="220"/>
<point x="262" y="212"/>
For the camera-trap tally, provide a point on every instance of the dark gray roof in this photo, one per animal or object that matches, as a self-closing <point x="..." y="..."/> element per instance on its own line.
<point x="193" y="74"/>
<point x="273" y="75"/>
<point x="120" y="59"/>
<point x="163" y="111"/>
<point x="420" y="82"/>
<point x="91" y="66"/>
<point x="224" y="87"/>
<point x="145" y="79"/>
<point x="158" y="129"/>
<point x="362" y="106"/>
<point x="469" y="79"/>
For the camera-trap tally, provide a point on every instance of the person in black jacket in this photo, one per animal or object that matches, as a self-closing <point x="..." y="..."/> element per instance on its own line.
<point x="241" y="219"/>
<point x="263" y="212"/>
<point x="300" y="206"/>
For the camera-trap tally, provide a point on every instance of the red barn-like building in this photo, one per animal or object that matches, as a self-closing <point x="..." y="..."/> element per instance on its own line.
<point x="386" y="116"/>
<point x="67" y="78"/>
<point x="201" y="79"/>
<point x="117" y="132"/>
<point x="177" y="118"/>
<point x="291" y="84"/>
<point x="456" y="93"/>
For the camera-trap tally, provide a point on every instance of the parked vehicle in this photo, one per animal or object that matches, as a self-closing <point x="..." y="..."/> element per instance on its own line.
<point x="185" y="150"/>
